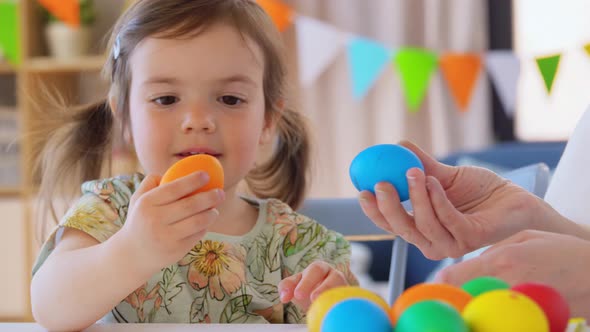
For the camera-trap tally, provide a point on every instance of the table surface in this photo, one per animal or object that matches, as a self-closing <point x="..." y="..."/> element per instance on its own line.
<point x="31" y="327"/>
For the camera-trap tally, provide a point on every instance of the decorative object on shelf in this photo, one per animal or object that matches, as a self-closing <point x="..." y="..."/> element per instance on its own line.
<point x="69" y="27"/>
<point x="9" y="38"/>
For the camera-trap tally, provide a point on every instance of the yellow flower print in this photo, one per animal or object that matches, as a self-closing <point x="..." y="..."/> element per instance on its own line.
<point x="93" y="216"/>
<point x="218" y="265"/>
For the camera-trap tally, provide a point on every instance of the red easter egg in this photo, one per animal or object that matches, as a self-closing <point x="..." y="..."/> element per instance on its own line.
<point x="553" y="304"/>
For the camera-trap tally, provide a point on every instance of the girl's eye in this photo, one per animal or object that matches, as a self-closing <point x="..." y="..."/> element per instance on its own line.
<point x="166" y="100"/>
<point x="231" y="100"/>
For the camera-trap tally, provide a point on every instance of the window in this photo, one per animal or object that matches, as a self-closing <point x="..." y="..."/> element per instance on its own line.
<point x="546" y="27"/>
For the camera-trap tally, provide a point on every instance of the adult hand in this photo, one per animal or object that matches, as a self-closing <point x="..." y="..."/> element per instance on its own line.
<point x="455" y="209"/>
<point x="557" y="260"/>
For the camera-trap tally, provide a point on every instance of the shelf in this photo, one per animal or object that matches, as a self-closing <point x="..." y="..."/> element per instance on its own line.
<point x="53" y="65"/>
<point x="10" y="191"/>
<point x="6" y="68"/>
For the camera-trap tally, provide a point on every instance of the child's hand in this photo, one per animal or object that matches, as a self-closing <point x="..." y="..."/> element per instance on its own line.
<point x="304" y="287"/>
<point x="164" y="222"/>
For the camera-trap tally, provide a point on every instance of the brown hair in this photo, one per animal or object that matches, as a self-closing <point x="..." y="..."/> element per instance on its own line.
<point x="72" y="155"/>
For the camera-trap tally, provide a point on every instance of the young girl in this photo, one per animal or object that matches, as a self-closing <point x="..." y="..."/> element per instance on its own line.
<point x="187" y="77"/>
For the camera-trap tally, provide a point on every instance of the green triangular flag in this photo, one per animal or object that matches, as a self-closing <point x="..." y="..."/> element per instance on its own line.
<point x="9" y="45"/>
<point x="548" y="67"/>
<point x="415" y="67"/>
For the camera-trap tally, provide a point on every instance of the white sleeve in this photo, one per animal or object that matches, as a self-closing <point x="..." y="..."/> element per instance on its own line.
<point x="569" y="189"/>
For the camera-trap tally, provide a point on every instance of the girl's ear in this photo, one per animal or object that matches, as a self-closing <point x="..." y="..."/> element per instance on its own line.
<point x="113" y="104"/>
<point x="270" y="123"/>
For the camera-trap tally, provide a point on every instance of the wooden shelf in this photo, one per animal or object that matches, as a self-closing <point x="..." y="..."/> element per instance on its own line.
<point x="10" y="191"/>
<point x="6" y="68"/>
<point x="53" y="65"/>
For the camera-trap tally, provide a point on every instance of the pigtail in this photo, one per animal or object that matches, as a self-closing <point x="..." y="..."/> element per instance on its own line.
<point x="285" y="175"/>
<point x="77" y="150"/>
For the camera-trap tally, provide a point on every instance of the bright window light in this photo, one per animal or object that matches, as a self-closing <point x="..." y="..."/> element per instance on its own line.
<point x="547" y="27"/>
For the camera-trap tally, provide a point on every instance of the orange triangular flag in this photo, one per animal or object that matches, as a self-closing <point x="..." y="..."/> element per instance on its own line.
<point x="281" y="13"/>
<point x="461" y="72"/>
<point x="67" y="11"/>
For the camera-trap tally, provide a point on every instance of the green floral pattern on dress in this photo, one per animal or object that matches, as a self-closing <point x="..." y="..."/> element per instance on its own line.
<point x="222" y="279"/>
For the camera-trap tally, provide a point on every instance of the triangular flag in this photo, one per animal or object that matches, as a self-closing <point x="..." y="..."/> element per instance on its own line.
<point x="461" y="72"/>
<point x="9" y="38"/>
<point x="415" y="67"/>
<point x="548" y="66"/>
<point x="282" y="15"/>
<point x="367" y="59"/>
<point x="67" y="11"/>
<point x="317" y="46"/>
<point x="504" y="69"/>
<point x="587" y="48"/>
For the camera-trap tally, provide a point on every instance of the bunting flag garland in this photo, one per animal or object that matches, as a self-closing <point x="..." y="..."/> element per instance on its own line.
<point x="548" y="67"/>
<point x="367" y="59"/>
<point x="317" y="46"/>
<point x="9" y="34"/>
<point x="67" y="11"/>
<point x="281" y="13"/>
<point x="461" y="72"/>
<point x="415" y="67"/>
<point x="504" y="70"/>
<point x="319" y="43"/>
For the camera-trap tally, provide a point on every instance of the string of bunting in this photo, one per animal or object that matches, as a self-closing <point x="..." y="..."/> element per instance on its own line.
<point x="319" y="43"/>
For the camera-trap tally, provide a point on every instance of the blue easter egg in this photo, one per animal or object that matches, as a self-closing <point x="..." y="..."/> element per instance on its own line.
<point x="384" y="163"/>
<point x="355" y="315"/>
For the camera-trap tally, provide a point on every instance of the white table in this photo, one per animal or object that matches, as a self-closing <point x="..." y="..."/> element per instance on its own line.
<point x="31" y="327"/>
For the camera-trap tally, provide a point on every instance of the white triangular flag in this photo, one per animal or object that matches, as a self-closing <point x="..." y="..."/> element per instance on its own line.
<point x="504" y="69"/>
<point x="317" y="45"/>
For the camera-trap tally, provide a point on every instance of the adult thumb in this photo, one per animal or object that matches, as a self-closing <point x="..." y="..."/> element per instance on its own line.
<point x="444" y="173"/>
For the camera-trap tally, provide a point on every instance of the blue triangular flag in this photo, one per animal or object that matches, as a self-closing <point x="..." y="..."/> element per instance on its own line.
<point x="367" y="59"/>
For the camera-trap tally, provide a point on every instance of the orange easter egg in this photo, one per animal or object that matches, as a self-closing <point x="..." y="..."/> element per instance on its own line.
<point x="191" y="164"/>
<point x="454" y="296"/>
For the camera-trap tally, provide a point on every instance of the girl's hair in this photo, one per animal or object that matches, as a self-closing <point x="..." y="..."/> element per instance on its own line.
<point x="80" y="150"/>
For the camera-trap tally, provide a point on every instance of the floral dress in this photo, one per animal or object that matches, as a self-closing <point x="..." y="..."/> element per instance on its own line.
<point x="223" y="279"/>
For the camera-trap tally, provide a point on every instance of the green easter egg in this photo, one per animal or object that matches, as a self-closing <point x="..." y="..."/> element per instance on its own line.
<point x="431" y="316"/>
<point x="481" y="285"/>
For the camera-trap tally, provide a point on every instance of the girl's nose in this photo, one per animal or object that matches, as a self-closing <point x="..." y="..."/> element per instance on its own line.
<point x="198" y="121"/>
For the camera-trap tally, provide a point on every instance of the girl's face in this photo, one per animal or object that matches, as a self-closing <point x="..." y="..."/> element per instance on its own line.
<point x="202" y="94"/>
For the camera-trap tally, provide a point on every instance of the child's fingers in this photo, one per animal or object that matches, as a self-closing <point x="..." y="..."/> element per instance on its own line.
<point x="184" y="186"/>
<point x="149" y="182"/>
<point x="312" y="276"/>
<point x="193" y="205"/>
<point x="194" y="224"/>
<point x="334" y="279"/>
<point x="425" y="218"/>
<point x="400" y="222"/>
<point x="287" y="287"/>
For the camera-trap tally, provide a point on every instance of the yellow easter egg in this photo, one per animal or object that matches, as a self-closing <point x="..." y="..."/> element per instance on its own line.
<point x="323" y="303"/>
<point x="504" y="311"/>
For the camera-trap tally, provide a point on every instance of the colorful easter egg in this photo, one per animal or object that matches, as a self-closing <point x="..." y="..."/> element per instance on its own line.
<point x="383" y="163"/>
